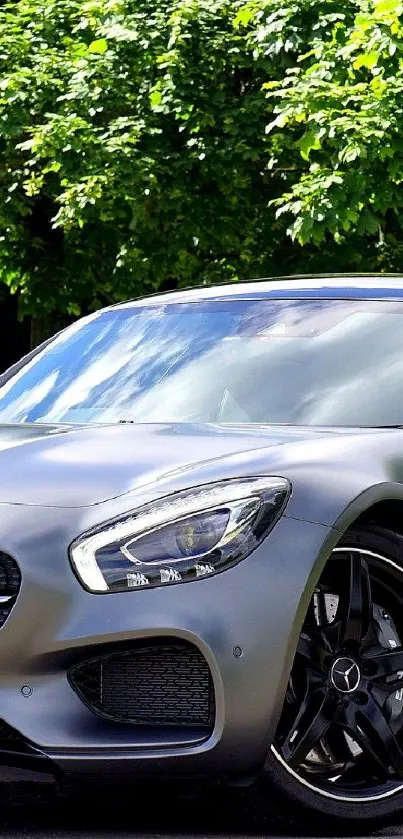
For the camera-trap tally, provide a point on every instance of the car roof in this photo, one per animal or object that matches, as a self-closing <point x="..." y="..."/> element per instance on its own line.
<point x="341" y="286"/>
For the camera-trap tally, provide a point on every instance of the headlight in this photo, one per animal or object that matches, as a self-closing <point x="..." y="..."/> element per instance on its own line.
<point x="183" y="537"/>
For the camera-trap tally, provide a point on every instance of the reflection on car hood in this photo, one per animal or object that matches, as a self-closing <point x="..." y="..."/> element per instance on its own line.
<point x="74" y="466"/>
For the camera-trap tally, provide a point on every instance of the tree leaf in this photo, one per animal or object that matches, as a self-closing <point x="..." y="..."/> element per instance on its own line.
<point x="368" y="60"/>
<point x="309" y="142"/>
<point x="98" y="47"/>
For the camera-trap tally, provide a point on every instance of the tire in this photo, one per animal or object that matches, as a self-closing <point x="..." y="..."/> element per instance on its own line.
<point x="370" y="787"/>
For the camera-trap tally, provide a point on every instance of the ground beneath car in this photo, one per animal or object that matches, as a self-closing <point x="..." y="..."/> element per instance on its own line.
<point x="158" y="815"/>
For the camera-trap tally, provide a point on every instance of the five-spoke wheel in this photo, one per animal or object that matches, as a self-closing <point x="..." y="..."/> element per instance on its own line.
<point x="340" y="735"/>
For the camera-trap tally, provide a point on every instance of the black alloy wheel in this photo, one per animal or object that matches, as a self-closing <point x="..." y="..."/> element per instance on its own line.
<point x="339" y="744"/>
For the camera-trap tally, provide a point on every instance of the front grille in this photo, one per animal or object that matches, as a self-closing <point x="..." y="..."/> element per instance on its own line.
<point x="10" y="582"/>
<point x="163" y="684"/>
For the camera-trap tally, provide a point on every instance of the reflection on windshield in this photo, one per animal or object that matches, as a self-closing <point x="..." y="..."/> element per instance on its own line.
<point x="269" y="361"/>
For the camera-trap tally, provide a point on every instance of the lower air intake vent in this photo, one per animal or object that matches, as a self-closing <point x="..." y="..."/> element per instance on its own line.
<point x="10" y="582"/>
<point x="9" y="737"/>
<point x="164" y="685"/>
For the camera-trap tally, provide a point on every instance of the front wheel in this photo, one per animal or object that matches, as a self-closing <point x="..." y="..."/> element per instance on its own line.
<point x="338" y="749"/>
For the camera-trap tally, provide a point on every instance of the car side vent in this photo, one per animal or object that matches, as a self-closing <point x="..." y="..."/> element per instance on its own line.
<point x="10" y="583"/>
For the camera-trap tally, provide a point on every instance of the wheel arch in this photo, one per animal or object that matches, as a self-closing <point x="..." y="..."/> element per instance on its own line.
<point x="381" y="504"/>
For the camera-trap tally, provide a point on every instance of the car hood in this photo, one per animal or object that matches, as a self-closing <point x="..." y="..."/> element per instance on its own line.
<point x="77" y="466"/>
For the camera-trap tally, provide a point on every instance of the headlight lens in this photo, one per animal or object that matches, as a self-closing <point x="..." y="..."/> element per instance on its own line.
<point x="183" y="537"/>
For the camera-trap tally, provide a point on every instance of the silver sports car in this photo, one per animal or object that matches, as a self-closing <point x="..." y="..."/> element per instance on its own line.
<point x="201" y="544"/>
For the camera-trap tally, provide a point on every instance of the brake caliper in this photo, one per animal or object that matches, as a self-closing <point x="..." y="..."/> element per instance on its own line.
<point x="389" y="639"/>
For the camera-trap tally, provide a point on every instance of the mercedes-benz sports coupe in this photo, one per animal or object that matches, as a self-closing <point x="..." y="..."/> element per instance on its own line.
<point x="201" y="544"/>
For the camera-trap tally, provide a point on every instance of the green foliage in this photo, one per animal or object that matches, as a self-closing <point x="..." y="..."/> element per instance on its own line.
<point x="146" y="143"/>
<point x="341" y="104"/>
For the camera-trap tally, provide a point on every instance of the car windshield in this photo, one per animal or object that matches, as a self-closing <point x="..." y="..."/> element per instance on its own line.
<point x="301" y="362"/>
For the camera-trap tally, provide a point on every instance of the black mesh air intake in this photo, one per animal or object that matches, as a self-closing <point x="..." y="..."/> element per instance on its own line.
<point x="10" y="582"/>
<point x="9" y="737"/>
<point x="164" y="684"/>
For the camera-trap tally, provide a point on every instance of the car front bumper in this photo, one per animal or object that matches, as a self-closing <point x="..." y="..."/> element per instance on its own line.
<point x="245" y="622"/>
